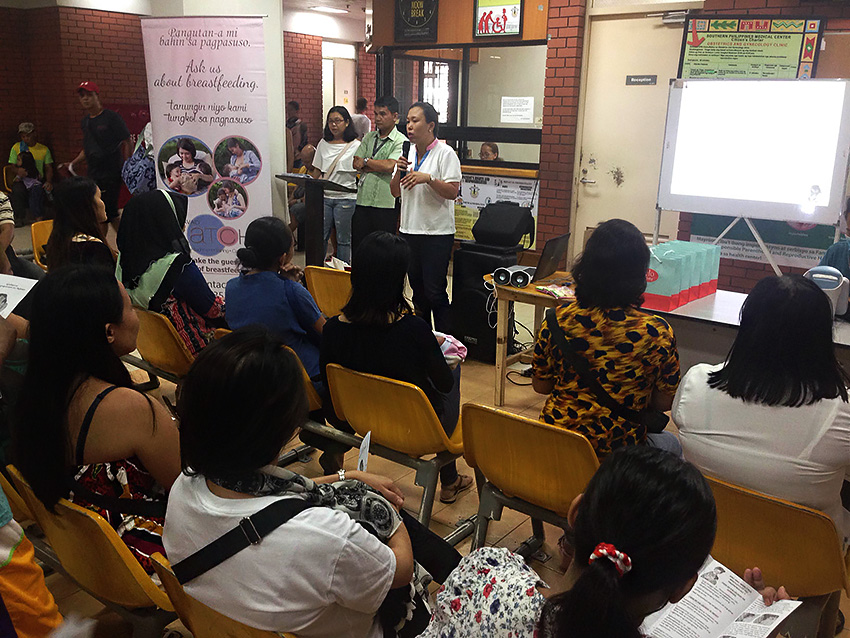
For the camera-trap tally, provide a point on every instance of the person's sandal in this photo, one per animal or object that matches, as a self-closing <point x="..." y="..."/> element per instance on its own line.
<point x="449" y="494"/>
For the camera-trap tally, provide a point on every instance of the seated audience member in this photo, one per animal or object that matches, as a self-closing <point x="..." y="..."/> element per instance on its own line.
<point x="838" y="255"/>
<point x="22" y="196"/>
<point x="10" y="263"/>
<point x="378" y="333"/>
<point x="632" y="557"/>
<point x="31" y="179"/>
<point x="78" y="226"/>
<point x="489" y="152"/>
<point x="27" y="608"/>
<point x="631" y="352"/>
<point x="268" y="293"/>
<point x="297" y="205"/>
<point x="156" y="267"/>
<point x="340" y="565"/>
<point x="774" y="417"/>
<point x="81" y="428"/>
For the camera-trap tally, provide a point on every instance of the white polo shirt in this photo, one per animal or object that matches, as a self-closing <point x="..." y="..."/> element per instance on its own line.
<point x="320" y="575"/>
<point x="423" y="211"/>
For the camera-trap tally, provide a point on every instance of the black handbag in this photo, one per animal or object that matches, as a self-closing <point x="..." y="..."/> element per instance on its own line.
<point x="653" y="420"/>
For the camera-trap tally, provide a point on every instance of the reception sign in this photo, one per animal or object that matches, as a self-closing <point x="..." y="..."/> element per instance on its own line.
<point x="209" y="115"/>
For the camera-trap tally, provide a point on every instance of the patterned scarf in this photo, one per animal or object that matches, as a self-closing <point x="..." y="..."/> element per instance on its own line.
<point x="405" y="611"/>
<point x="362" y="503"/>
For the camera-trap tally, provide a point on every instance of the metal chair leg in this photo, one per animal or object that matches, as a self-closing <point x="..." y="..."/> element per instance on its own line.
<point x="530" y="547"/>
<point x="427" y="475"/>
<point x="488" y="509"/>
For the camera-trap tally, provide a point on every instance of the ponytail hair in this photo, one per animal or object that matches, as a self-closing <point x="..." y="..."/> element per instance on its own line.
<point x="655" y="508"/>
<point x="267" y="239"/>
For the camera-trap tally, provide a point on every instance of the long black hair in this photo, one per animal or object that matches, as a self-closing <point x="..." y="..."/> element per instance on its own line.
<point x="75" y="213"/>
<point x="260" y="401"/>
<point x="348" y="134"/>
<point x="378" y="273"/>
<point x="652" y="506"/>
<point x="70" y="309"/>
<point x="611" y="272"/>
<point x="783" y="353"/>
<point x="267" y="239"/>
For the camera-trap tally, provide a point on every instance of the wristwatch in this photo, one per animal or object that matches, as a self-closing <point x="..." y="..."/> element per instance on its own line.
<point x="341" y="474"/>
<point x="365" y="161"/>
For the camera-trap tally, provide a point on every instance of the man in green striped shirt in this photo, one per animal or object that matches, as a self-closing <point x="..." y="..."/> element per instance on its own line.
<point x="375" y="160"/>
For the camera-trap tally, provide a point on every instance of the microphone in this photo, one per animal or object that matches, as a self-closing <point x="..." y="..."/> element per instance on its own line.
<point x="405" y="151"/>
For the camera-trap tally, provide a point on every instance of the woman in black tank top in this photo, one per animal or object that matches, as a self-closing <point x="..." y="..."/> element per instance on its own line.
<point x="82" y="431"/>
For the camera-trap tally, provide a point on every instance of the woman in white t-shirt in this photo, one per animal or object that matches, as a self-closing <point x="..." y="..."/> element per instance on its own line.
<point x="774" y="417"/>
<point x="335" y="162"/>
<point x="341" y="565"/>
<point x="427" y="196"/>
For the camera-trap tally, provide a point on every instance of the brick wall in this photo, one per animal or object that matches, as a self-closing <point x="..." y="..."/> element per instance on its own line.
<point x="15" y="67"/>
<point x="53" y="49"/>
<point x="736" y="275"/>
<point x="302" y="57"/>
<point x="560" y="115"/>
<point x="366" y="79"/>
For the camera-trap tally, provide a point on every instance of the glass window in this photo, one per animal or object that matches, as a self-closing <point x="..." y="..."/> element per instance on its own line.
<point x="436" y="87"/>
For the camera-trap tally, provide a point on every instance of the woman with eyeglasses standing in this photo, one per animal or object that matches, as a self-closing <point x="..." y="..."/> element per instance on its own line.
<point x="335" y="162"/>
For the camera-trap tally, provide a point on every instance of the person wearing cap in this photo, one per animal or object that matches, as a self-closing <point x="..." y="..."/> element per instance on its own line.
<point x="21" y="197"/>
<point x="106" y="146"/>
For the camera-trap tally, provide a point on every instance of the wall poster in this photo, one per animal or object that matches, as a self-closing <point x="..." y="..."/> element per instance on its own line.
<point x="750" y="47"/>
<point x="416" y="20"/>
<point x="495" y="18"/>
<point x="209" y="115"/>
<point x="756" y="47"/>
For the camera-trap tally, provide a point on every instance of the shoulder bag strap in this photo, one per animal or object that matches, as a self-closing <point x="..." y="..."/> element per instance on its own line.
<point x="338" y="157"/>
<point x="584" y="372"/>
<point x="250" y="531"/>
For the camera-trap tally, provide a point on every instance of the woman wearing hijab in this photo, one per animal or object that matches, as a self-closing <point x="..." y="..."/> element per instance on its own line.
<point x="156" y="267"/>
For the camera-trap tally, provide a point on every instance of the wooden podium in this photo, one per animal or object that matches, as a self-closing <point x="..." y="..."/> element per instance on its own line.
<point x="314" y="205"/>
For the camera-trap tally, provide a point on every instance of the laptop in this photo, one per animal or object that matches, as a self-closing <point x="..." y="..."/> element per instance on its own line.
<point x="551" y="257"/>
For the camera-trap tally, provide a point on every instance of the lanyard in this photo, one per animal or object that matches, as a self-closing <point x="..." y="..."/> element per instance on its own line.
<point x="378" y="147"/>
<point x="418" y="162"/>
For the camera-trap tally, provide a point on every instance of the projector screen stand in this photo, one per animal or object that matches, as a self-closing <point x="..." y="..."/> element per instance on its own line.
<point x="753" y="230"/>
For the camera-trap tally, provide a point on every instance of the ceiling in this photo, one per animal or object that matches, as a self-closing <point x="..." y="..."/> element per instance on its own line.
<point x="355" y="7"/>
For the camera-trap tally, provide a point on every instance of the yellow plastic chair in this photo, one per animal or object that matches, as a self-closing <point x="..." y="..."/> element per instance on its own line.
<point x="203" y="621"/>
<point x="163" y="351"/>
<point x="794" y="545"/>
<point x="40" y="233"/>
<point x="97" y="560"/>
<point x="330" y="288"/>
<point x="9" y="175"/>
<point x="20" y="512"/>
<point x="532" y="467"/>
<point x="403" y="424"/>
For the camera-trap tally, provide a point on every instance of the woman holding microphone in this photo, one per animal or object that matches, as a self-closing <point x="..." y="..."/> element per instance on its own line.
<point x="427" y="179"/>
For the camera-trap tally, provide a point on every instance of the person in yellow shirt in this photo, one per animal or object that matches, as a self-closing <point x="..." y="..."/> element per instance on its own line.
<point x="33" y="198"/>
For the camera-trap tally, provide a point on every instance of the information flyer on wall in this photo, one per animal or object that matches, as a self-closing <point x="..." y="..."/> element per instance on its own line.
<point x="476" y="191"/>
<point x="209" y="115"/>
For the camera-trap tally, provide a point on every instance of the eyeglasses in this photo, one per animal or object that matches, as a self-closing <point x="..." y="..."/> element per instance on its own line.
<point x="337" y="121"/>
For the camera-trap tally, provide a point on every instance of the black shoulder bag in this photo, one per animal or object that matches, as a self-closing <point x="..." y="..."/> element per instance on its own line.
<point x="250" y="531"/>
<point x="653" y="420"/>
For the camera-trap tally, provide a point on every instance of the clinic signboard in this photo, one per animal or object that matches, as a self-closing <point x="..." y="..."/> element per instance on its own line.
<point x="495" y="18"/>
